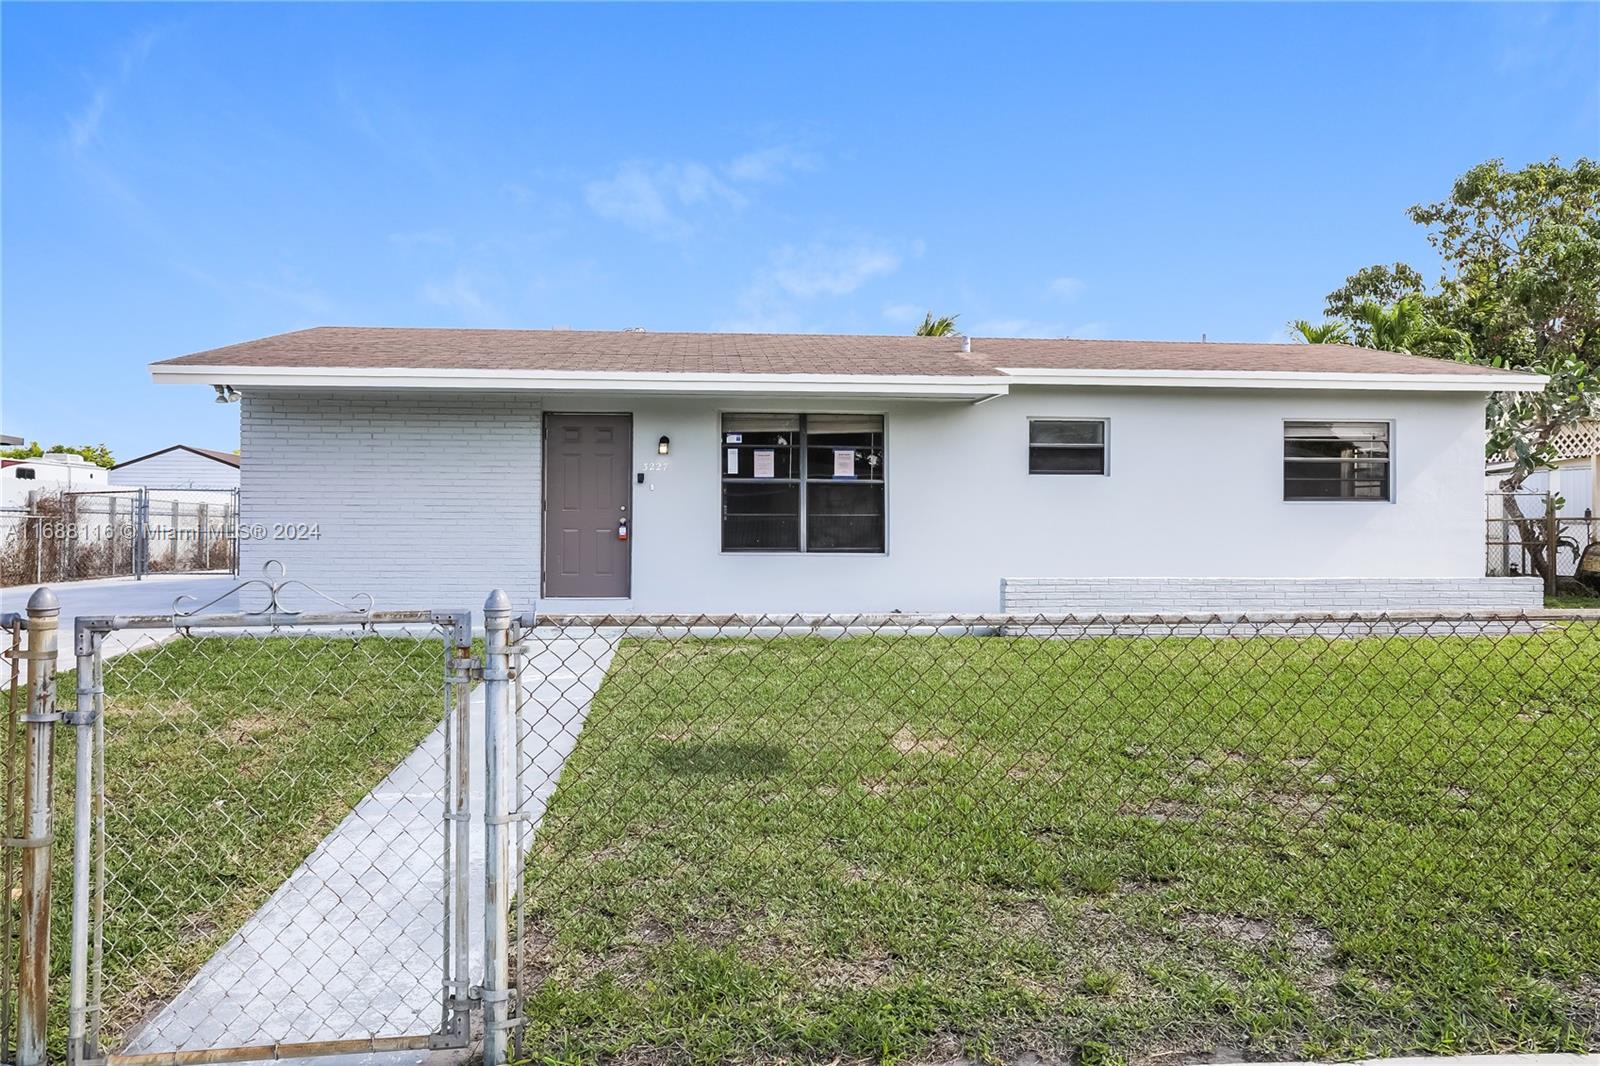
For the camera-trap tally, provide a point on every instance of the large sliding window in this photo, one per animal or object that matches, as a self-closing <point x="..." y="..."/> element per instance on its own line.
<point x="811" y="483"/>
<point x="1336" y="461"/>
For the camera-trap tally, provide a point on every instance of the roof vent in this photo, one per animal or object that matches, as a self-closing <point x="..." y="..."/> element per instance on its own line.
<point x="634" y="329"/>
<point x="966" y="343"/>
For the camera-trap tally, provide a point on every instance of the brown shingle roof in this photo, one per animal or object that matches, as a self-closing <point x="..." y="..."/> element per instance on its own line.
<point x="346" y="347"/>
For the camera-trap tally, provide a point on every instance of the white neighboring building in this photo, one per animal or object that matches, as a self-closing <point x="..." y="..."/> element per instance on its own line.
<point x="179" y="467"/>
<point x="61" y="472"/>
<point x="687" y="472"/>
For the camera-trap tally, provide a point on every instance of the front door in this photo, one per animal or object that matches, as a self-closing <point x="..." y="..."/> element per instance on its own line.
<point x="587" y="459"/>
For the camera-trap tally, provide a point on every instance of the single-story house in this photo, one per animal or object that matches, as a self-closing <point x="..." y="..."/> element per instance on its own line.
<point x="179" y="466"/>
<point x="675" y="472"/>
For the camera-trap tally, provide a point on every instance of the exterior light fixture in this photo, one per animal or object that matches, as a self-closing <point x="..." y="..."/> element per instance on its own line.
<point x="226" y="393"/>
<point x="663" y="446"/>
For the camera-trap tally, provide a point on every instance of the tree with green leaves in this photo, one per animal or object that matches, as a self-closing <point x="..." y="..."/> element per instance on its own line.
<point x="1519" y="289"/>
<point x="98" y="454"/>
<point x="937" y="327"/>
<point x="1321" y="333"/>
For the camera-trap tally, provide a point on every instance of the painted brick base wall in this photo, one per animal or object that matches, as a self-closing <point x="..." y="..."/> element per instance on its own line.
<point x="1048" y="595"/>
<point x="421" y="501"/>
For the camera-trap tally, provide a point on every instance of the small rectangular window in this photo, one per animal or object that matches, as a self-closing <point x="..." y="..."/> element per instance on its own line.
<point x="1066" y="447"/>
<point x="1336" y="461"/>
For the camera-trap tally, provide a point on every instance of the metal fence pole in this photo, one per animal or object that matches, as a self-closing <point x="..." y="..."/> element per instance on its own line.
<point x="1552" y="539"/>
<point x="38" y="762"/>
<point x="499" y="743"/>
<point x="86" y="644"/>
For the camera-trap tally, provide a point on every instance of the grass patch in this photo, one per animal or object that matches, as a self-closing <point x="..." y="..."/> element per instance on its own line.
<point x="1580" y="603"/>
<point x="227" y="760"/>
<point x="912" y="848"/>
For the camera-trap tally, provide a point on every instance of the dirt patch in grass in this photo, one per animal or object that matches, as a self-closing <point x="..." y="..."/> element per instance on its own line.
<point x="908" y="742"/>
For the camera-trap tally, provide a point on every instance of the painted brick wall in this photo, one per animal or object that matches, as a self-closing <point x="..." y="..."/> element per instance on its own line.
<point x="422" y="501"/>
<point x="1264" y="595"/>
<point x="178" y="469"/>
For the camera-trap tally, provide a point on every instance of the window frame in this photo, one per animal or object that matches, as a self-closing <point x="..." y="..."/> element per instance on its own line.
<point x="1388" y="461"/>
<point x="1104" y="446"/>
<point x="802" y="449"/>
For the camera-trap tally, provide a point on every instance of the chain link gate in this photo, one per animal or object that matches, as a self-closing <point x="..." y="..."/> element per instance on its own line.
<point x="262" y="833"/>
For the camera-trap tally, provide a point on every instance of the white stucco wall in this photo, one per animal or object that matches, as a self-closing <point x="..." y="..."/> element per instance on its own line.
<point x="436" y="497"/>
<point x="177" y="469"/>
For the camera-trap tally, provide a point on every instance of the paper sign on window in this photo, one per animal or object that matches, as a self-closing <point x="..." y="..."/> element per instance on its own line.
<point x="764" y="462"/>
<point x="844" y="462"/>
<point x="733" y="460"/>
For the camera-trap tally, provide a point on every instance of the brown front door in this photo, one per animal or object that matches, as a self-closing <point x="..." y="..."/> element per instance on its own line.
<point x="587" y="460"/>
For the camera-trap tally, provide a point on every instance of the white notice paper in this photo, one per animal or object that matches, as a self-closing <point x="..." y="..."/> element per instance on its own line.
<point x="844" y="462"/>
<point x="764" y="463"/>
<point x="733" y="460"/>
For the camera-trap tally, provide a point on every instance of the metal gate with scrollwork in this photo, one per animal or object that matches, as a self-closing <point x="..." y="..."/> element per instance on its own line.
<point x="264" y="815"/>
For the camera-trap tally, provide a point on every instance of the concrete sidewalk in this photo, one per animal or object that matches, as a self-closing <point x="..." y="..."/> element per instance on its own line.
<point x="351" y="944"/>
<point x="122" y="595"/>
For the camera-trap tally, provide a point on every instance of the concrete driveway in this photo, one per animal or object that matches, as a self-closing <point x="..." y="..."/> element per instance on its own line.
<point x="122" y="595"/>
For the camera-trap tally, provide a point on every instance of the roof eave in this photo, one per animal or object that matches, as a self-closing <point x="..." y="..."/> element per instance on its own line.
<point x="924" y="386"/>
<point x="930" y="386"/>
<point x="1276" y="379"/>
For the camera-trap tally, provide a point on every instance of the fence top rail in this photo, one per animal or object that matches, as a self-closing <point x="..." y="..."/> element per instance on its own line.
<point x="534" y="620"/>
<point x="267" y="620"/>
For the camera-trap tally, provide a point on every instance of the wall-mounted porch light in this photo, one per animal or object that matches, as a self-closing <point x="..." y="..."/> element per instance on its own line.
<point x="663" y="446"/>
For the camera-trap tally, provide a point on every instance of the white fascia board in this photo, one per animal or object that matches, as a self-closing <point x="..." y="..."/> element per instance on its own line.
<point x="1272" y="379"/>
<point x="928" y="386"/>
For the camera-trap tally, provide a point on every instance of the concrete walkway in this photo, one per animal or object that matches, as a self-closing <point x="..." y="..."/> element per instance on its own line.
<point x="351" y="944"/>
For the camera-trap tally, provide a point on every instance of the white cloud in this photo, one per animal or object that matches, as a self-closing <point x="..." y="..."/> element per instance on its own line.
<point x="829" y="270"/>
<point x="83" y="128"/>
<point x="1090" y="331"/>
<point x="911" y="313"/>
<point x="458" y="293"/>
<point x="669" y="199"/>
<point x="805" y="274"/>
<point x="771" y="164"/>
<point x="657" y="198"/>
<point x="1065" y="288"/>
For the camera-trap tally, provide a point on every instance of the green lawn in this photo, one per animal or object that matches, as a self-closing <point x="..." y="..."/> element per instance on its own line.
<point x="227" y="760"/>
<point x="1581" y="603"/>
<point x="886" y="848"/>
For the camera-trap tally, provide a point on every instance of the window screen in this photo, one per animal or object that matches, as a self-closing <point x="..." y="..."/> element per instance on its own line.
<point x="1336" y="461"/>
<point x="1058" y="446"/>
<point x="812" y="483"/>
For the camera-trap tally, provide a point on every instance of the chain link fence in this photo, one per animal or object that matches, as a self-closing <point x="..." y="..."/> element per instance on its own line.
<point x="257" y="826"/>
<point x="861" y="838"/>
<point x="1138" y="838"/>
<point x="1522" y="526"/>
<point x="119" y="533"/>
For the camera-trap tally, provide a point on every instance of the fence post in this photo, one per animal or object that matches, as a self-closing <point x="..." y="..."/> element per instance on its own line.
<point x="141" y="534"/>
<point x="38" y="763"/>
<point x="499" y="733"/>
<point x="1552" y="552"/>
<point x="86" y="644"/>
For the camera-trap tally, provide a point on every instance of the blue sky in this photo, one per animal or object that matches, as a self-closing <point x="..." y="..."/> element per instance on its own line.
<point x="181" y="177"/>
